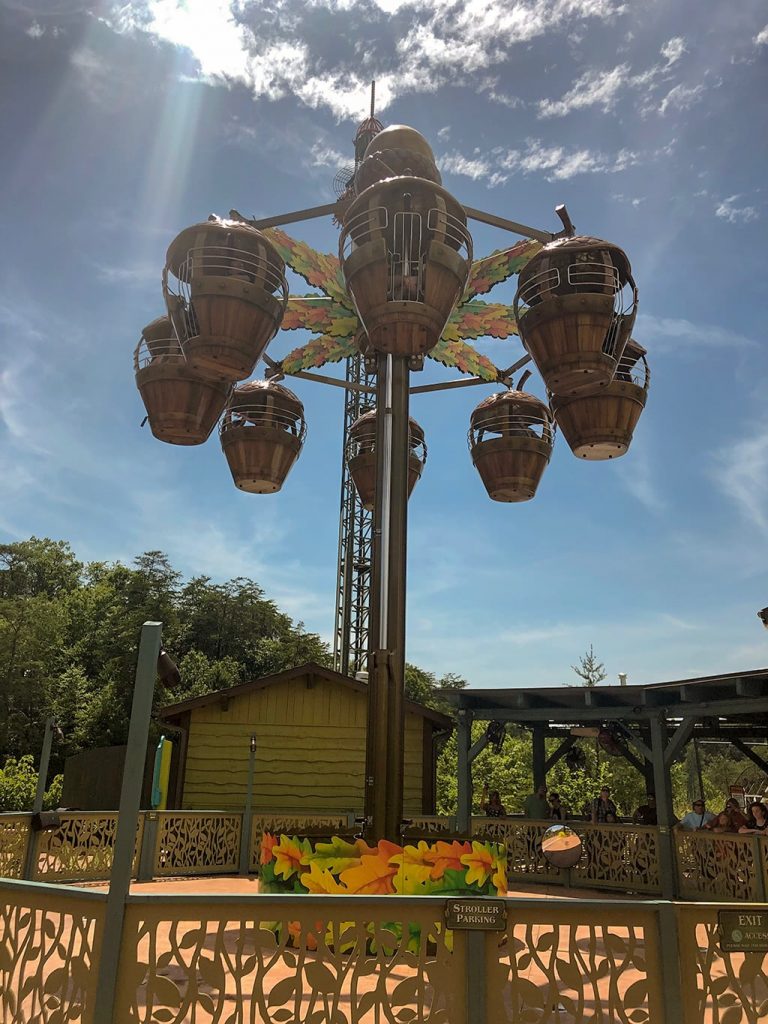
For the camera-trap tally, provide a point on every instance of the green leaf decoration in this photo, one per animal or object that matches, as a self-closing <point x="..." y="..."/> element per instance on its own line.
<point x="317" y="352"/>
<point x="499" y="266"/>
<point x="465" y="358"/>
<point x="336" y="856"/>
<point x="322" y="270"/>
<point x="478" y="319"/>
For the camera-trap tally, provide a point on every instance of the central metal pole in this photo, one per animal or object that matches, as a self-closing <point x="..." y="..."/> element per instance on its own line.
<point x="386" y="673"/>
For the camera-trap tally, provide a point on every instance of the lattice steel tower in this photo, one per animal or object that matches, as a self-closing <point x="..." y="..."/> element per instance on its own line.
<point x="353" y="588"/>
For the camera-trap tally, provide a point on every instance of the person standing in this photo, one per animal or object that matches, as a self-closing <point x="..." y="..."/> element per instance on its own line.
<point x="536" y="805"/>
<point x="491" y="803"/>
<point x="646" y="813"/>
<point x="603" y="808"/>
<point x="757" y="822"/>
<point x="557" y="810"/>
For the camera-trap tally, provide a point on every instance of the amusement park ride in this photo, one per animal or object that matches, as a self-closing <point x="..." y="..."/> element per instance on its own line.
<point x="405" y="287"/>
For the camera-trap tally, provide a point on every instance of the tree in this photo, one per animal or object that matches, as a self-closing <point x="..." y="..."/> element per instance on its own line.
<point x="589" y="669"/>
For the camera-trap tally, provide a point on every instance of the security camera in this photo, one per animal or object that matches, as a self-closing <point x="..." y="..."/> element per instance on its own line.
<point x="763" y="616"/>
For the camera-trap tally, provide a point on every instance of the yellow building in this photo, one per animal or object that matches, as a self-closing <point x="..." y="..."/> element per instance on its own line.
<point x="309" y="724"/>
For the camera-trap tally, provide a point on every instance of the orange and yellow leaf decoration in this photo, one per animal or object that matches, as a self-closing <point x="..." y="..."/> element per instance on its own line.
<point x="465" y="358"/>
<point x="332" y="315"/>
<point x="346" y="865"/>
<point x="478" y="319"/>
<point x="499" y="266"/>
<point x="322" y="270"/>
<point x="318" y="352"/>
<point x="319" y="315"/>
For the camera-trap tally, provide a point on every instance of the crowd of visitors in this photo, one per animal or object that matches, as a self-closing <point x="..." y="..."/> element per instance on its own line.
<point x="543" y="805"/>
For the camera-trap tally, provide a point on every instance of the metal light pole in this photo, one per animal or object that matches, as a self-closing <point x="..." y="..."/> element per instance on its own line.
<point x="245" y="838"/>
<point x="386" y="674"/>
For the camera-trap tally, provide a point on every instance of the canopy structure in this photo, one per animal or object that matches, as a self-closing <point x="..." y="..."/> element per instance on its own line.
<point x="651" y="724"/>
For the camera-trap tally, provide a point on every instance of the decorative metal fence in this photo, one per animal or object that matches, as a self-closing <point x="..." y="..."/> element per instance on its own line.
<point x="620" y="857"/>
<point x="197" y="843"/>
<point x="367" y="959"/>
<point x="50" y="937"/>
<point x="14" y="836"/>
<point x="720" y="866"/>
<point x="294" y="825"/>
<point x="80" y="848"/>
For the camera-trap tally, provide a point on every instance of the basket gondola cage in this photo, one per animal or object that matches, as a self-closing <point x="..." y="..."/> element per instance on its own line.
<point x="575" y="307"/>
<point x="262" y="433"/>
<point x="361" y="456"/>
<point x="225" y="291"/>
<point x="600" y="425"/>
<point x="510" y="438"/>
<point x="406" y="254"/>
<point x="182" y="407"/>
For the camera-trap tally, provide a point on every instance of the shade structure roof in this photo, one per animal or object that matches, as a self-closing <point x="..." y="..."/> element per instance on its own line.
<point x="737" y="698"/>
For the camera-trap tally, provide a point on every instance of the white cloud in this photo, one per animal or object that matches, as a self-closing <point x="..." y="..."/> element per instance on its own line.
<point x="474" y="167"/>
<point x="35" y="30"/>
<point x="602" y="88"/>
<point x="594" y="88"/>
<point x="562" y="164"/>
<point x="727" y="210"/>
<point x="447" y="44"/>
<point x="681" y="97"/>
<point x="555" y="162"/>
<point x="761" y="39"/>
<point x="740" y="470"/>
<point x="673" y="50"/>
<point x="323" y="155"/>
<point x="639" y="480"/>
<point x="667" y="334"/>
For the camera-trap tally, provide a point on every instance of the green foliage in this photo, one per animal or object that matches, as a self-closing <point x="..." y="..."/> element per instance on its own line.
<point x="18" y="783"/>
<point x="511" y="773"/>
<point x="590" y="670"/>
<point x="69" y="634"/>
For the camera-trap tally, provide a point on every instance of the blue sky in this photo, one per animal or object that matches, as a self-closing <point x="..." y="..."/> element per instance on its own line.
<point x="121" y="123"/>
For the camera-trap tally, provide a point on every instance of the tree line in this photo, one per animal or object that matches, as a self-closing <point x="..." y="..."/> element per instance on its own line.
<point x="69" y="634"/>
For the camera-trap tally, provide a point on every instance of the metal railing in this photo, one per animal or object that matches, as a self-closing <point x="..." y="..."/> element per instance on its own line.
<point x="216" y="261"/>
<point x="520" y="425"/>
<point x="264" y="415"/>
<point x="624" y="858"/>
<point x="271" y="959"/>
<point x="167" y="350"/>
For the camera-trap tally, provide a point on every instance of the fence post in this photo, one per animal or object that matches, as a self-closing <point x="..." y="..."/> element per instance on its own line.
<point x="464" y="742"/>
<point x="146" y="870"/>
<point x="128" y="817"/>
<point x="475" y="967"/>
<point x="757" y="858"/>
<point x="669" y="943"/>
<point x="37" y="806"/>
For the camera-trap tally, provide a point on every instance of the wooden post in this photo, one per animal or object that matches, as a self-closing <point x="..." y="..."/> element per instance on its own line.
<point x="538" y="756"/>
<point x="664" y="813"/>
<point x="464" y="741"/>
<point x="125" y="839"/>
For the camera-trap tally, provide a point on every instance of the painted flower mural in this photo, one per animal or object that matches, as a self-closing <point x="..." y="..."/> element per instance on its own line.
<point x="438" y="868"/>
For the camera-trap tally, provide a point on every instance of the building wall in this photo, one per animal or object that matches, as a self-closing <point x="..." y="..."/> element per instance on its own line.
<point x="310" y="750"/>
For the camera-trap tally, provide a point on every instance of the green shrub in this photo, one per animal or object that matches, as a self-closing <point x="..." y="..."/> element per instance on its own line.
<point x="18" y="782"/>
